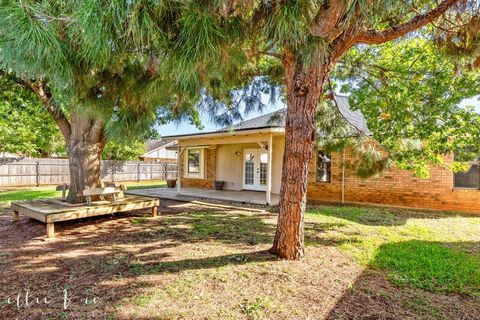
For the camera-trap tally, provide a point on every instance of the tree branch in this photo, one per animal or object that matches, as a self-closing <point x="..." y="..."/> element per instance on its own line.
<point x="328" y="18"/>
<point x="377" y="37"/>
<point x="343" y="42"/>
<point x="45" y="96"/>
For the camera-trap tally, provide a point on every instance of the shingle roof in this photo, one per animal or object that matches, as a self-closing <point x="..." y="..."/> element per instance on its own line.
<point x="155" y="144"/>
<point x="354" y="117"/>
<point x="276" y="119"/>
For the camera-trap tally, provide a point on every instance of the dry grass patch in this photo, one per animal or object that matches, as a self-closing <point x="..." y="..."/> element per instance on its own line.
<point x="196" y="262"/>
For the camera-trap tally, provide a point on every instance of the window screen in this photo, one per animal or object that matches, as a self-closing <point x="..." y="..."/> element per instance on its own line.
<point x="469" y="179"/>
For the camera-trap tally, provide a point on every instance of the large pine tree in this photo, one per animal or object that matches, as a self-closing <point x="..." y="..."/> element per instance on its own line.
<point x="94" y="57"/>
<point x="95" y="67"/>
<point x="297" y="44"/>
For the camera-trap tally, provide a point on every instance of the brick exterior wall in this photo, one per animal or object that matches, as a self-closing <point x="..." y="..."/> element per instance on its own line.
<point x="394" y="187"/>
<point x="210" y="172"/>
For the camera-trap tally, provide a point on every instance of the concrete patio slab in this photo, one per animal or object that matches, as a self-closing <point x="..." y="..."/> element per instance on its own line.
<point x="245" y="197"/>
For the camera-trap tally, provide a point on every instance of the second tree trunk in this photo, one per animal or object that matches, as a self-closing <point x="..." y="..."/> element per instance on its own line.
<point x="84" y="149"/>
<point x="303" y="94"/>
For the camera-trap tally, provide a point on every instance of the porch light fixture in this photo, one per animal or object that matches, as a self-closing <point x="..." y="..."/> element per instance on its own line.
<point x="237" y="153"/>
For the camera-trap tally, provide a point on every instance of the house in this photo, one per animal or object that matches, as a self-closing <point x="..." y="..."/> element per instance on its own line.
<point x="9" y="155"/>
<point x="249" y="155"/>
<point x="160" y="151"/>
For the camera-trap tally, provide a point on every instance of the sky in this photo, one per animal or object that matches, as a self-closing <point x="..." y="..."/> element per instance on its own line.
<point x="172" y="129"/>
<point x="475" y="102"/>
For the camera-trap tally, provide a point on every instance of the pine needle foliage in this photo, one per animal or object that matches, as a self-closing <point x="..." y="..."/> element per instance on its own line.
<point x="102" y="57"/>
<point x="164" y="60"/>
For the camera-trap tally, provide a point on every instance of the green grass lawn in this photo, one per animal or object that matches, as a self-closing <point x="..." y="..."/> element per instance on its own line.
<point x="433" y="251"/>
<point x="200" y="262"/>
<point x="438" y="252"/>
<point x="145" y="184"/>
<point x="43" y="192"/>
<point x="419" y="253"/>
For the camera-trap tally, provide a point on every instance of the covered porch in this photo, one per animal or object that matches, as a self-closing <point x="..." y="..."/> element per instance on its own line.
<point x="246" y="165"/>
<point x="244" y="196"/>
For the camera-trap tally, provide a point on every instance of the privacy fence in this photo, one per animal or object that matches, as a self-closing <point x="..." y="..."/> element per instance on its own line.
<point x="44" y="171"/>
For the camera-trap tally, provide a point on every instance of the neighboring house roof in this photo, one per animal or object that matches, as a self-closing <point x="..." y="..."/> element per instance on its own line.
<point x="276" y="119"/>
<point x="173" y="146"/>
<point x="154" y="145"/>
<point x="151" y="145"/>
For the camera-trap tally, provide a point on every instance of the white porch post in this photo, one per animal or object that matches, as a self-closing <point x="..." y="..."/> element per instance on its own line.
<point x="179" y="170"/>
<point x="269" y="171"/>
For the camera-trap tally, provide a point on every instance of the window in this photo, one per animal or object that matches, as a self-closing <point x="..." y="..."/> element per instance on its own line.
<point x="469" y="179"/>
<point x="249" y="168"/>
<point x="263" y="168"/>
<point x="194" y="163"/>
<point x="324" y="164"/>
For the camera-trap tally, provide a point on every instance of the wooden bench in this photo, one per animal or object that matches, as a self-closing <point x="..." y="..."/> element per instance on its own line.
<point x="116" y="192"/>
<point x="50" y="211"/>
<point x="63" y="187"/>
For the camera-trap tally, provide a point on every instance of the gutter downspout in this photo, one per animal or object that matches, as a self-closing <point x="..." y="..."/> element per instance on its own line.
<point x="268" y="199"/>
<point x="343" y="177"/>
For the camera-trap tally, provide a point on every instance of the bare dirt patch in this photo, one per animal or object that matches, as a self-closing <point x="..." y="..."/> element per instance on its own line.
<point x="196" y="262"/>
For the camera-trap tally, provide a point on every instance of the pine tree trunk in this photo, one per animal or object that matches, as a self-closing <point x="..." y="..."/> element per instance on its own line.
<point x="84" y="139"/>
<point x="303" y="94"/>
<point x="84" y="149"/>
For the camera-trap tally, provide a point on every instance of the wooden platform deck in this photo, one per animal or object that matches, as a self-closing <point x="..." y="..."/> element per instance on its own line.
<point x="50" y="211"/>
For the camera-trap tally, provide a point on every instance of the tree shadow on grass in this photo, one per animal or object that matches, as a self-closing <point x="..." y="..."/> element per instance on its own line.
<point x="135" y="227"/>
<point x="317" y="234"/>
<point x="222" y="226"/>
<point x="91" y="254"/>
<point x="108" y="257"/>
<point x="416" y="279"/>
<point x="208" y="263"/>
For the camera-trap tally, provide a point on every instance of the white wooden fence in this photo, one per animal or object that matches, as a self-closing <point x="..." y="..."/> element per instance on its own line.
<point x="44" y="171"/>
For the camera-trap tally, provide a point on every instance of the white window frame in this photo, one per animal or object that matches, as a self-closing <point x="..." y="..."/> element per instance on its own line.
<point x="195" y="175"/>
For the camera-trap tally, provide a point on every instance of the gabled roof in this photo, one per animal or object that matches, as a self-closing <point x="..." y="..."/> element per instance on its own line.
<point x="154" y="144"/>
<point x="276" y="119"/>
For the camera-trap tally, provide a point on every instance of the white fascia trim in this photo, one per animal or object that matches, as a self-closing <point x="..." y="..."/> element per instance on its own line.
<point x="230" y="133"/>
